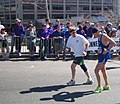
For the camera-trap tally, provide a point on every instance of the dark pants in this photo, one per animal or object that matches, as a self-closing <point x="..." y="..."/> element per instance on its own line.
<point x="18" y="43"/>
<point x="43" y="47"/>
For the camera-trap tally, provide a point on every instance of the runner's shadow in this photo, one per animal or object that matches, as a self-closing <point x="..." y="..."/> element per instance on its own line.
<point x="67" y="97"/>
<point x="44" y="89"/>
<point x="109" y="68"/>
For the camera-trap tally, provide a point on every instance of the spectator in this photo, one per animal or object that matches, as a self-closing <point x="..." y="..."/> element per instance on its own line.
<point x="50" y="31"/>
<point x="118" y="35"/>
<point x="5" y="47"/>
<point x="81" y="31"/>
<point x="58" y="41"/>
<point x="78" y="24"/>
<point x="87" y="25"/>
<point x="56" y="24"/>
<point x="108" y="28"/>
<point x="113" y="32"/>
<point x="68" y="24"/>
<point x="47" y="21"/>
<point x="43" y="34"/>
<point x="29" y="23"/>
<point x="89" y="31"/>
<point x="67" y="35"/>
<point x="1" y="27"/>
<point x="118" y="32"/>
<point x="63" y="28"/>
<point x="30" y="34"/>
<point x="18" y="33"/>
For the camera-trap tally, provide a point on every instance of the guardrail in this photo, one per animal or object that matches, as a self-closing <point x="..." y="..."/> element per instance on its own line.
<point x="52" y="46"/>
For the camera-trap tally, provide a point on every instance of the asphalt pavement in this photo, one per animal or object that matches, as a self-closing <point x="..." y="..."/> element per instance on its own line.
<point x="44" y="82"/>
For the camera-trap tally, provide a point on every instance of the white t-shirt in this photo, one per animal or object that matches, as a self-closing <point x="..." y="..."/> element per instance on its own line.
<point x="3" y="36"/>
<point x="77" y="44"/>
<point x="118" y="33"/>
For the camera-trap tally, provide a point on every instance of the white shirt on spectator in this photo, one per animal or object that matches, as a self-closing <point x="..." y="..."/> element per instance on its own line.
<point x="118" y="33"/>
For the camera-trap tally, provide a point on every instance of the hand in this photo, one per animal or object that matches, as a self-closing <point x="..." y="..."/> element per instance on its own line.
<point x="42" y="38"/>
<point x="14" y="35"/>
<point x="84" y="53"/>
<point x="67" y="50"/>
<point x="60" y="37"/>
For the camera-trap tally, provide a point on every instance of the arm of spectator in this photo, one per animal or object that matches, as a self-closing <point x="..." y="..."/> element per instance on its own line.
<point x="22" y="30"/>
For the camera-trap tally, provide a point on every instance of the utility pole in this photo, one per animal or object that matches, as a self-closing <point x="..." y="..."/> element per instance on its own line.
<point x="47" y="9"/>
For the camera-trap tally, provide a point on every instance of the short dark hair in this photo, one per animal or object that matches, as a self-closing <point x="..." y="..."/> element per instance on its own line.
<point x="94" y="30"/>
<point x="47" y="19"/>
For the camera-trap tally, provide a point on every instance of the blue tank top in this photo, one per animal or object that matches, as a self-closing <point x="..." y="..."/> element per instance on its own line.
<point x="102" y="47"/>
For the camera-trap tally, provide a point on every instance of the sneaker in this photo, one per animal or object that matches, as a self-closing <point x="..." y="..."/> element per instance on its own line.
<point x="71" y="83"/>
<point x="98" y="90"/>
<point x="106" y="87"/>
<point x="89" y="81"/>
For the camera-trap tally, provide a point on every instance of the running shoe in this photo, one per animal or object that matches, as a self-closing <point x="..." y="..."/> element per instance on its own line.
<point x="106" y="87"/>
<point x="88" y="82"/>
<point x="98" y="90"/>
<point x="71" y="83"/>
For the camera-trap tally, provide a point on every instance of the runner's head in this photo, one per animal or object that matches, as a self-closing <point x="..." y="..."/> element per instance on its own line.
<point x="95" y="31"/>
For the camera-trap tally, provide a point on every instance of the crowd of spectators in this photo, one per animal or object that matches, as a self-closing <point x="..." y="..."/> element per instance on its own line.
<point x="50" y="34"/>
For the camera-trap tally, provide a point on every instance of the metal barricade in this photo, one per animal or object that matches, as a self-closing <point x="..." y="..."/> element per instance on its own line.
<point x="50" y="47"/>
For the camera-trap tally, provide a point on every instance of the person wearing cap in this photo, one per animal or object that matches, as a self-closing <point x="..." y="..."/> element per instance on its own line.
<point x="43" y="35"/>
<point x="5" y="47"/>
<point x="30" y="34"/>
<point x="105" y="43"/>
<point x="79" y="45"/>
<point x="18" y="33"/>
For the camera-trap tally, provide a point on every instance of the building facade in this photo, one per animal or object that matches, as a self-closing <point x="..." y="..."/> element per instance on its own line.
<point x="37" y="9"/>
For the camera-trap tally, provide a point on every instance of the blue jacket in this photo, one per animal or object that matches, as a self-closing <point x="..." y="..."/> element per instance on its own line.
<point x="18" y="30"/>
<point x="67" y="34"/>
<point x="57" y="34"/>
<point x="89" y="32"/>
<point x="43" y="33"/>
<point x="81" y="32"/>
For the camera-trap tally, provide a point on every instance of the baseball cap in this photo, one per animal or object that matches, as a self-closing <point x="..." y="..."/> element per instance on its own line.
<point x="31" y="25"/>
<point x="18" y="20"/>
